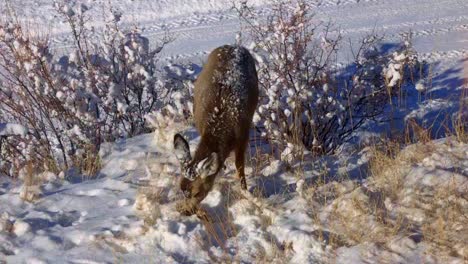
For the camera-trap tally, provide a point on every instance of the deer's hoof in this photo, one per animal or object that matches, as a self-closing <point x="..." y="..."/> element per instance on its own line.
<point x="243" y="184"/>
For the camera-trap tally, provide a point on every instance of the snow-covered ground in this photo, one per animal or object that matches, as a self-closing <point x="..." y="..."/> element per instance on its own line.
<point x="127" y="213"/>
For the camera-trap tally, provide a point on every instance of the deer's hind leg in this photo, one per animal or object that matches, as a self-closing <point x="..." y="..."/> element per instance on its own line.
<point x="240" y="162"/>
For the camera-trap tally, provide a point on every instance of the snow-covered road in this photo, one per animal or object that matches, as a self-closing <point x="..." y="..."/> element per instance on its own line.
<point x="439" y="28"/>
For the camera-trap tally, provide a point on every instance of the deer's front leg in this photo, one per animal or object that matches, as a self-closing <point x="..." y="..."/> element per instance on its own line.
<point x="240" y="165"/>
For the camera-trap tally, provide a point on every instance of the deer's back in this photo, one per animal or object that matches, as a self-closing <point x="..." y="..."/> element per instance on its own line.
<point x="226" y="95"/>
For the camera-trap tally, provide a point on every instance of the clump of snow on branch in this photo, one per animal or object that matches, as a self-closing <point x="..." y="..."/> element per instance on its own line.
<point x="398" y="62"/>
<point x="178" y="106"/>
<point x="8" y="129"/>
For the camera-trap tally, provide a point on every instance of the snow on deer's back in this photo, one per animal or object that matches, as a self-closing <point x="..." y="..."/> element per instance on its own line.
<point x="225" y="99"/>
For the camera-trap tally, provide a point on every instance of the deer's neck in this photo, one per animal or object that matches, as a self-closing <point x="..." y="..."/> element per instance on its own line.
<point x="208" y="146"/>
<point x="203" y="150"/>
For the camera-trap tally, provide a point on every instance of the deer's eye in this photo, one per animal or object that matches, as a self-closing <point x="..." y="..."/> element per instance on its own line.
<point x="190" y="173"/>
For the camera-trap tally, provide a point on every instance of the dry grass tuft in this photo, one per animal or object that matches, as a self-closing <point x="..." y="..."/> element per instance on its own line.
<point x="147" y="202"/>
<point x="389" y="165"/>
<point x="31" y="182"/>
<point x="460" y="121"/>
<point x="89" y="163"/>
<point x="433" y="209"/>
<point x="404" y="206"/>
<point x="445" y="229"/>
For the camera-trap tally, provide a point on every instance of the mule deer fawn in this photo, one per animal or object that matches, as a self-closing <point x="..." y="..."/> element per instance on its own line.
<point x="225" y="99"/>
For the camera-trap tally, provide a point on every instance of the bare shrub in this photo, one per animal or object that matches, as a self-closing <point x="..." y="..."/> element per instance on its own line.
<point x="176" y="112"/>
<point x="71" y="104"/>
<point x="308" y="99"/>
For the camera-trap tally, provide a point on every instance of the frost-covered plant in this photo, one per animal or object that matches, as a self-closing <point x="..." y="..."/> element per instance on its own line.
<point x="308" y="100"/>
<point x="28" y="96"/>
<point x="401" y="67"/>
<point x="177" y="109"/>
<point x="101" y="91"/>
<point x="119" y="68"/>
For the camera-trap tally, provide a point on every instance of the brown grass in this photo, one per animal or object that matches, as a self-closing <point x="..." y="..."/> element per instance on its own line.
<point x="460" y="122"/>
<point x="89" y="163"/>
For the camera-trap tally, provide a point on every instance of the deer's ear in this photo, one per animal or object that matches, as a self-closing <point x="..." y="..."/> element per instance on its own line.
<point x="209" y="165"/>
<point x="181" y="149"/>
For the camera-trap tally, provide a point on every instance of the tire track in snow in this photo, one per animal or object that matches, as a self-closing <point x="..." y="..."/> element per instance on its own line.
<point x="393" y="31"/>
<point x="410" y="25"/>
<point x="197" y="34"/>
<point x="444" y="55"/>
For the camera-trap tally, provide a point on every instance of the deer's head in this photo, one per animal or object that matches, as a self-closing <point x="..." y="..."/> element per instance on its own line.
<point x="197" y="174"/>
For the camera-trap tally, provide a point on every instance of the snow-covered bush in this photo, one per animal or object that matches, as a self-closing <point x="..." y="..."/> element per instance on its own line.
<point x="27" y="97"/>
<point x="308" y="99"/>
<point x="117" y="68"/>
<point x="177" y="109"/>
<point x="99" y="92"/>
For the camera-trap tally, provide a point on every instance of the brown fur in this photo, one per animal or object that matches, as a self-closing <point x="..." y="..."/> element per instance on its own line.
<point x="225" y="99"/>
